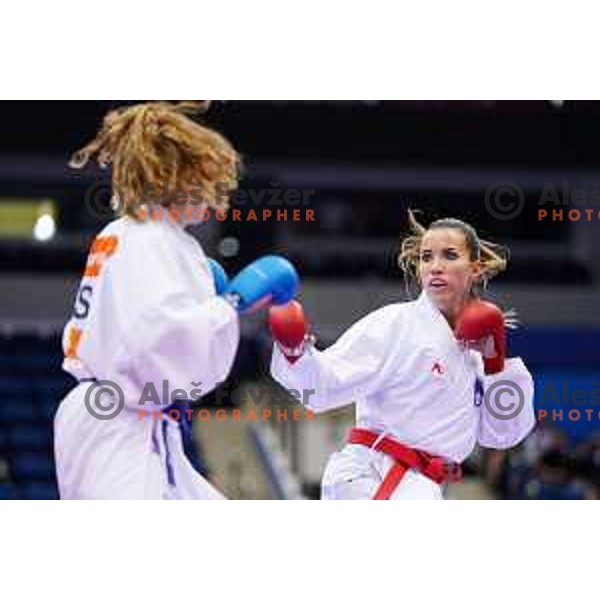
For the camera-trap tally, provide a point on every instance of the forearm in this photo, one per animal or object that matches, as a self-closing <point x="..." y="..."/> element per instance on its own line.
<point x="313" y="378"/>
<point x="507" y="413"/>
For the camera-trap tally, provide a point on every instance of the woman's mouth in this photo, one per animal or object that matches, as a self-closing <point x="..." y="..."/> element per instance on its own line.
<point x="438" y="284"/>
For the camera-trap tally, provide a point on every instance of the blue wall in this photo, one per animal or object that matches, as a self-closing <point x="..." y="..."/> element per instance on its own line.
<point x="565" y="364"/>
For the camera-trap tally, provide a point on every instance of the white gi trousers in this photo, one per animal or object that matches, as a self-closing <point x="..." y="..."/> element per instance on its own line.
<point x="122" y="458"/>
<point x="356" y="472"/>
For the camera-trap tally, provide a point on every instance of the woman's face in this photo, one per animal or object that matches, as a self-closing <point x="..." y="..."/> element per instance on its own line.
<point x="446" y="271"/>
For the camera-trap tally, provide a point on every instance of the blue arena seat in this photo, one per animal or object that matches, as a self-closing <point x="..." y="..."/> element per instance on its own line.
<point x="17" y="410"/>
<point x="47" y="408"/>
<point x="32" y="343"/>
<point x="7" y="361"/>
<point x="14" y="385"/>
<point x="7" y="491"/>
<point x="48" y="397"/>
<point x="56" y="385"/>
<point x="38" y="491"/>
<point x="31" y="465"/>
<point x="33" y="364"/>
<point x="27" y="437"/>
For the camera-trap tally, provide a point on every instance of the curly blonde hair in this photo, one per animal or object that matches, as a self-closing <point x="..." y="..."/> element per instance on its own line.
<point x="493" y="257"/>
<point x="158" y="144"/>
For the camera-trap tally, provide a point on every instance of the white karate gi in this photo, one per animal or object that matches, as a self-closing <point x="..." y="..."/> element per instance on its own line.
<point x="410" y="379"/>
<point x="146" y="312"/>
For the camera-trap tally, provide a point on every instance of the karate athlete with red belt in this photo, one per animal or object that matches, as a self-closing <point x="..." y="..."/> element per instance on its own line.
<point x="417" y="371"/>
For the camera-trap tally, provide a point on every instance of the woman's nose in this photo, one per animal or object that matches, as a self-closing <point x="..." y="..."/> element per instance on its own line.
<point x="436" y="266"/>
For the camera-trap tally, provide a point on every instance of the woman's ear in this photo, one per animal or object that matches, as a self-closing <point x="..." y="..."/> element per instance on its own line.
<point x="477" y="270"/>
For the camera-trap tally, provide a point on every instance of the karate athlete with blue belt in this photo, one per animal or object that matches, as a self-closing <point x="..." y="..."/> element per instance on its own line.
<point x="147" y="311"/>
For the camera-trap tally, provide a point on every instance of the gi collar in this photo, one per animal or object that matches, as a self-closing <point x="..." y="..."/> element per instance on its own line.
<point x="440" y="325"/>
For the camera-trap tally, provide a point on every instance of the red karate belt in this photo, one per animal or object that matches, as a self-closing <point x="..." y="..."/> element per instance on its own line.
<point x="436" y="468"/>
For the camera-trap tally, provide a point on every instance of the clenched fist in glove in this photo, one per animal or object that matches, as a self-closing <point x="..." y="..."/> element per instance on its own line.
<point x="268" y="280"/>
<point x="481" y="325"/>
<point x="289" y="328"/>
<point x="220" y="277"/>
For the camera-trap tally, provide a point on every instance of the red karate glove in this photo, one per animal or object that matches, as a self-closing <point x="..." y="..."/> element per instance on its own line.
<point x="289" y="328"/>
<point x="481" y="325"/>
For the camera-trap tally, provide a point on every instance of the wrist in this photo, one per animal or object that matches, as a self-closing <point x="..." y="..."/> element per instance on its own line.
<point x="297" y="351"/>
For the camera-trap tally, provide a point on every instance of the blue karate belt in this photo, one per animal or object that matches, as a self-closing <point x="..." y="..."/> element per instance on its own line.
<point x="185" y="409"/>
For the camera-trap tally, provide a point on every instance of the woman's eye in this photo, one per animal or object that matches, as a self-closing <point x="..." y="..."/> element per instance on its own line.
<point x="451" y="255"/>
<point x="425" y="257"/>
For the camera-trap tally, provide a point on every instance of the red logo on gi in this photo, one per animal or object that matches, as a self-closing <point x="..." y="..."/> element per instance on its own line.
<point x="438" y="368"/>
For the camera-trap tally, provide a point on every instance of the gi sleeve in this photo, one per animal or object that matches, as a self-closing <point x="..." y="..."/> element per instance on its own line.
<point x="340" y="375"/>
<point x="190" y="344"/>
<point x="179" y="331"/>
<point x="507" y="413"/>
